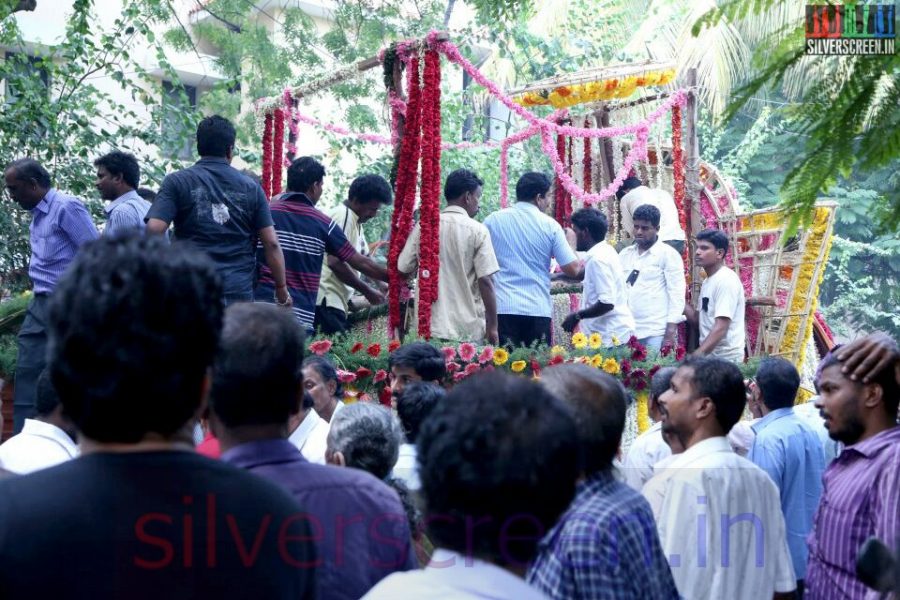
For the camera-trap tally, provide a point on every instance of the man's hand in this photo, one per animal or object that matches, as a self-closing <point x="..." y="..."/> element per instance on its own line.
<point x="374" y="296"/>
<point x="283" y="297"/>
<point x="570" y="322"/>
<point x="866" y="357"/>
<point x="492" y="336"/>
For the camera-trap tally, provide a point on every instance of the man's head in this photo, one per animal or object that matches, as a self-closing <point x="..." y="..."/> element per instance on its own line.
<point x="320" y="380"/>
<point x="853" y="410"/>
<point x="705" y="399"/>
<point x="533" y="187"/>
<point x="501" y="452"/>
<point x="306" y="175"/>
<point x="646" y="225"/>
<point x="415" y="362"/>
<point x="590" y="227"/>
<point x="256" y="376"/>
<point x="597" y="402"/>
<point x="117" y="174"/>
<point x="629" y="184"/>
<point x="659" y="383"/>
<point x="216" y="137"/>
<point x="147" y="194"/>
<point x="367" y="194"/>
<point x="712" y="246"/>
<point x="47" y="404"/>
<point x="777" y="382"/>
<point x="415" y="403"/>
<point x="364" y="436"/>
<point x="27" y="182"/>
<point x="463" y="189"/>
<point x="133" y="328"/>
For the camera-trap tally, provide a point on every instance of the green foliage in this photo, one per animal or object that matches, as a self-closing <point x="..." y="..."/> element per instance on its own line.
<point x="9" y="353"/>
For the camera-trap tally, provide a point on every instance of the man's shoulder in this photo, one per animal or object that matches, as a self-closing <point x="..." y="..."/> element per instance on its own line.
<point x="368" y="492"/>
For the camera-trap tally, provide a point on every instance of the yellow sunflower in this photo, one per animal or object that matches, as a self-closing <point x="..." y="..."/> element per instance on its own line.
<point x="579" y="340"/>
<point x="557" y="350"/>
<point x="500" y="356"/>
<point x="518" y="366"/>
<point x="611" y="366"/>
<point x="595" y="341"/>
<point x="597" y="361"/>
<point x="615" y="340"/>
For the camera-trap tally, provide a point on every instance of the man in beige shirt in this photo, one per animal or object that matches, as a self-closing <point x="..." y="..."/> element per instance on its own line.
<point x="466" y="308"/>
<point x="366" y="196"/>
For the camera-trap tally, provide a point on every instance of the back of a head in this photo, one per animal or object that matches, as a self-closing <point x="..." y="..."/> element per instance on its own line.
<point x="426" y="360"/>
<point x="257" y="374"/>
<point x="415" y="404"/>
<point x="133" y="327"/>
<point x="215" y="136"/>
<point x="629" y="184"/>
<point x="716" y="237"/>
<point x="593" y="220"/>
<point x="370" y="188"/>
<point x="531" y="184"/>
<point x="598" y="402"/>
<point x="147" y="194"/>
<point x="303" y="173"/>
<point x="459" y="182"/>
<point x="368" y="435"/>
<point x="721" y="381"/>
<point x="778" y="381"/>
<point x="46" y="398"/>
<point x="500" y="451"/>
<point x="121" y="163"/>
<point x="661" y="381"/>
<point x="27" y="169"/>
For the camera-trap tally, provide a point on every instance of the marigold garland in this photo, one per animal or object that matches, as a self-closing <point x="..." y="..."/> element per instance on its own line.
<point x="593" y="91"/>
<point x="643" y="412"/>
<point x="267" y="155"/>
<point x="430" y="210"/>
<point x="278" y="151"/>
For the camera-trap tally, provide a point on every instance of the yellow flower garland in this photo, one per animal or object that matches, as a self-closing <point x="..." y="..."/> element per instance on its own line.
<point x="607" y="89"/>
<point x="643" y="412"/>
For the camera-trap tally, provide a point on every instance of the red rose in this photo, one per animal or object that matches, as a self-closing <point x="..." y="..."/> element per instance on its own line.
<point x="633" y="342"/>
<point x="535" y="367"/>
<point x="380" y="376"/>
<point x="363" y="372"/>
<point x="393" y="345"/>
<point x="356" y="347"/>
<point x="625" y="365"/>
<point x="679" y="353"/>
<point x="556" y="359"/>
<point x="384" y="396"/>
<point x="653" y="370"/>
<point x="374" y="350"/>
<point x="639" y="353"/>
<point x="665" y="350"/>
<point x="320" y="347"/>
<point x="346" y="376"/>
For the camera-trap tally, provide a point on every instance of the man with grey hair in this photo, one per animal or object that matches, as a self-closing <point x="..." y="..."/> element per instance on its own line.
<point x="649" y="448"/>
<point x="364" y="436"/>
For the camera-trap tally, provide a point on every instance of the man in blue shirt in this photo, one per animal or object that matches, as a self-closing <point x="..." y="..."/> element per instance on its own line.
<point x="222" y="212"/>
<point x="60" y="225"/>
<point x="358" y="525"/>
<point x="118" y="176"/>
<point x="788" y="450"/>
<point x="525" y="240"/>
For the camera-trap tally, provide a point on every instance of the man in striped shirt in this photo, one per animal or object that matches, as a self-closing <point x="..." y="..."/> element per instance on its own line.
<point x="306" y="234"/>
<point x="861" y="495"/>
<point x="60" y="225"/>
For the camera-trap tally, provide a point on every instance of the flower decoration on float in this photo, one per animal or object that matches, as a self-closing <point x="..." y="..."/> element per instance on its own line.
<point x="593" y="91"/>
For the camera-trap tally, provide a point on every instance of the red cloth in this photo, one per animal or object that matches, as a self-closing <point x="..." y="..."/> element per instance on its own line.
<point x="209" y="447"/>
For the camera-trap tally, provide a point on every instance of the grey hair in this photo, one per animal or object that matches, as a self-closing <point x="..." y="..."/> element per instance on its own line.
<point x="368" y="435"/>
<point x="661" y="381"/>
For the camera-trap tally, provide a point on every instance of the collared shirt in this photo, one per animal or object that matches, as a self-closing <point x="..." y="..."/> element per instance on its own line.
<point x="334" y="292"/>
<point x="311" y="437"/>
<point x="39" y="445"/>
<point x="126" y="213"/>
<point x="466" y="255"/>
<point x="790" y="452"/>
<point x="305" y="234"/>
<point x="220" y="211"/>
<point x="60" y="224"/>
<point x="407" y="468"/>
<point x="722" y="295"/>
<point x="525" y="240"/>
<point x="604" y="546"/>
<point x="453" y="576"/>
<point x="603" y="282"/>
<point x="669" y="224"/>
<point x="358" y="524"/>
<point x="647" y="450"/>
<point x="720" y="524"/>
<point x="860" y="499"/>
<point x="656" y="292"/>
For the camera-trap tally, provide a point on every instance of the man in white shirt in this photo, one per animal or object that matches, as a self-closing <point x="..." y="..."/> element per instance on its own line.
<point x="44" y="441"/>
<point x="604" y="303"/>
<point x="413" y="406"/>
<point x="718" y="514"/>
<point x="633" y="194"/>
<point x="499" y="462"/>
<point x="650" y="447"/>
<point x="654" y="281"/>
<point x="721" y="312"/>
<point x="309" y="432"/>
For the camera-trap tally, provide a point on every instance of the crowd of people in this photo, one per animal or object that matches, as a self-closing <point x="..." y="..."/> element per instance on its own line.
<point x="214" y="458"/>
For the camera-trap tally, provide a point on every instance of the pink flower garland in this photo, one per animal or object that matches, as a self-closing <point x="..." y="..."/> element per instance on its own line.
<point x="267" y="156"/>
<point x="278" y="154"/>
<point x="293" y="127"/>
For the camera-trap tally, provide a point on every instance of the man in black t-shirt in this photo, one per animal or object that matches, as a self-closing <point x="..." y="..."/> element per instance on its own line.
<point x="221" y="211"/>
<point x="133" y="329"/>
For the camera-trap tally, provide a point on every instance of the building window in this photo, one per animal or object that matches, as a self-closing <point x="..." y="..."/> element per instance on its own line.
<point x="177" y="137"/>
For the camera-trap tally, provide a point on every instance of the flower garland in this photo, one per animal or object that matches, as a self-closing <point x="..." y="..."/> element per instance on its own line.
<point x="560" y="198"/>
<point x="593" y="91"/>
<point x="643" y="411"/>
<point x="290" y="107"/>
<point x="405" y="191"/>
<point x="679" y="175"/>
<point x="430" y="210"/>
<point x="278" y="148"/>
<point x="586" y="160"/>
<point x="267" y="155"/>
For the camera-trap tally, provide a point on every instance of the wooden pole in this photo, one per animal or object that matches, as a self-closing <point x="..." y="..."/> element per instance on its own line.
<point x="606" y="155"/>
<point x="692" y="189"/>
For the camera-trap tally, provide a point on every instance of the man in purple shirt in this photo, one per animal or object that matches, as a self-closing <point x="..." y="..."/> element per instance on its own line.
<point x="861" y="495"/>
<point x="60" y="224"/>
<point x="358" y="523"/>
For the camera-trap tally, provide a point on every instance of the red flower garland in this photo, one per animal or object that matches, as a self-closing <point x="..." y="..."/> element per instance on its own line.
<point x="278" y="151"/>
<point x="267" y="156"/>
<point x="559" y="191"/>
<point x="586" y="163"/>
<point x="405" y="192"/>
<point x="430" y="211"/>
<point x="678" y="172"/>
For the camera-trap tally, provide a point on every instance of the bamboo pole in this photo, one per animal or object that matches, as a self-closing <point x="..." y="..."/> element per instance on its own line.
<point x="692" y="192"/>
